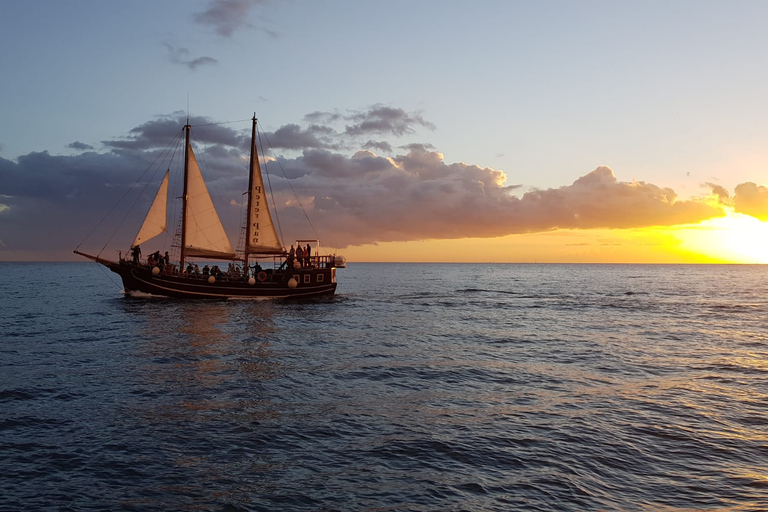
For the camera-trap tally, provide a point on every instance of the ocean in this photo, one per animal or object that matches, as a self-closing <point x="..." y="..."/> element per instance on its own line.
<point x="417" y="387"/>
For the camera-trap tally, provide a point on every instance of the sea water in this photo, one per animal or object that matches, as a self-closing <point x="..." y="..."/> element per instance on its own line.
<point x="416" y="387"/>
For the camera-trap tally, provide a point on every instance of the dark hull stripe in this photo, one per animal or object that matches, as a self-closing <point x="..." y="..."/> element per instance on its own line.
<point x="141" y="279"/>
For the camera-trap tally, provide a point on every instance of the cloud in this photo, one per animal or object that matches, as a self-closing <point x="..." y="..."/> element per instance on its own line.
<point x="292" y="136"/>
<point x="368" y="199"/>
<point x="415" y="146"/>
<point x="323" y="117"/>
<point x="159" y="132"/>
<point x="384" y="120"/>
<point x="227" y="16"/>
<point x="751" y="199"/>
<point x="324" y="131"/>
<point x="80" y="146"/>
<point x="352" y="197"/>
<point x="378" y="145"/>
<point x="181" y="56"/>
<point x="720" y="191"/>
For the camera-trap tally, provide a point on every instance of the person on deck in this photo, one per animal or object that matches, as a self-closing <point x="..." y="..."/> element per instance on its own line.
<point x="308" y="256"/>
<point x="300" y="255"/>
<point x="206" y="270"/>
<point x="136" y="253"/>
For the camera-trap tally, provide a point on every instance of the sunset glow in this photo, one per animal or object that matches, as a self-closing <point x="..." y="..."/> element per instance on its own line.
<point x="735" y="238"/>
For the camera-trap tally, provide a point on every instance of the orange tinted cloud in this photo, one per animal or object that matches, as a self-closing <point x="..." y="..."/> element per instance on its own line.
<point x="368" y="198"/>
<point x="751" y="199"/>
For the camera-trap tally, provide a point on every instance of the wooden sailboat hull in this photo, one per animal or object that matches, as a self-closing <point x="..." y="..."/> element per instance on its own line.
<point x="310" y="282"/>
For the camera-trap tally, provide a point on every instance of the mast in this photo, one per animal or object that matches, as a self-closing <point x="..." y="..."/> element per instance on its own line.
<point x="250" y="188"/>
<point x="184" y="199"/>
<point x="261" y="236"/>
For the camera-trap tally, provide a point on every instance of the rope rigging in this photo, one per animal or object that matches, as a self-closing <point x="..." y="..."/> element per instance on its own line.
<point x="290" y="185"/>
<point x="163" y="152"/>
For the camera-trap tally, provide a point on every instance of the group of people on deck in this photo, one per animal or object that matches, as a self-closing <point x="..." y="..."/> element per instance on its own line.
<point x="300" y="254"/>
<point x="153" y="260"/>
<point x="233" y="273"/>
<point x="156" y="260"/>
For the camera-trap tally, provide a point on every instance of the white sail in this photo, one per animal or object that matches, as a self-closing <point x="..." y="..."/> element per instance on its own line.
<point x="154" y="222"/>
<point x="205" y="236"/>
<point x="262" y="236"/>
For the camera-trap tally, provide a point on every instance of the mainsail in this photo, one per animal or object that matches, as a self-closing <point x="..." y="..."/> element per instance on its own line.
<point x="261" y="234"/>
<point x="154" y="222"/>
<point x="204" y="234"/>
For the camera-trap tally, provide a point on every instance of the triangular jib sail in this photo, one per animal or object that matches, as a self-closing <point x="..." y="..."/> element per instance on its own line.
<point x="154" y="222"/>
<point x="204" y="234"/>
<point x="261" y="234"/>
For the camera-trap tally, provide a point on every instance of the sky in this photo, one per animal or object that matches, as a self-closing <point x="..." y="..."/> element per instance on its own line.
<point x="485" y="131"/>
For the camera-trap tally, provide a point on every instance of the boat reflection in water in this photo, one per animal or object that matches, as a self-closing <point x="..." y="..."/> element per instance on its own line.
<point x="202" y="374"/>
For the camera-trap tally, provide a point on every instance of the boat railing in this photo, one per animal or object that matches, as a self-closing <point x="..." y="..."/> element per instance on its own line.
<point x="238" y="273"/>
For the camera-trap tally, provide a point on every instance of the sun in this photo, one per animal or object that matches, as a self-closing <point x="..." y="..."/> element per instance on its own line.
<point x="735" y="238"/>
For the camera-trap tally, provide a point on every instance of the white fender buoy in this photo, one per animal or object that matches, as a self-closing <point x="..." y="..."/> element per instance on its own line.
<point x="292" y="283"/>
<point x="251" y="281"/>
<point x="296" y="265"/>
<point x="211" y="279"/>
<point x="155" y="271"/>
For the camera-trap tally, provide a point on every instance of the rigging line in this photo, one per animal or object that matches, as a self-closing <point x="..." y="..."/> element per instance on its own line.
<point x="178" y="178"/>
<point x="292" y="190"/>
<point x="116" y="205"/>
<point x="138" y="196"/>
<point x="271" y="190"/>
<point x="216" y="124"/>
<point x="212" y="183"/>
<point x="243" y="227"/>
<point x="176" y="148"/>
<point x="104" y="271"/>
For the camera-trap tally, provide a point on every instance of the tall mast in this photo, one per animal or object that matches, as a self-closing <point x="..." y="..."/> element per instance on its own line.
<point x="250" y="186"/>
<point x="184" y="199"/>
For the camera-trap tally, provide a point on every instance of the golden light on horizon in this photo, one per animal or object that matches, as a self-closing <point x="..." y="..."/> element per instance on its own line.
<point x="735" y="238"/>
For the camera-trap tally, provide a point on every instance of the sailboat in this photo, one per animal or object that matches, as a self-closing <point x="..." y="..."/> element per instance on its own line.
<point x="202" y="235"/>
